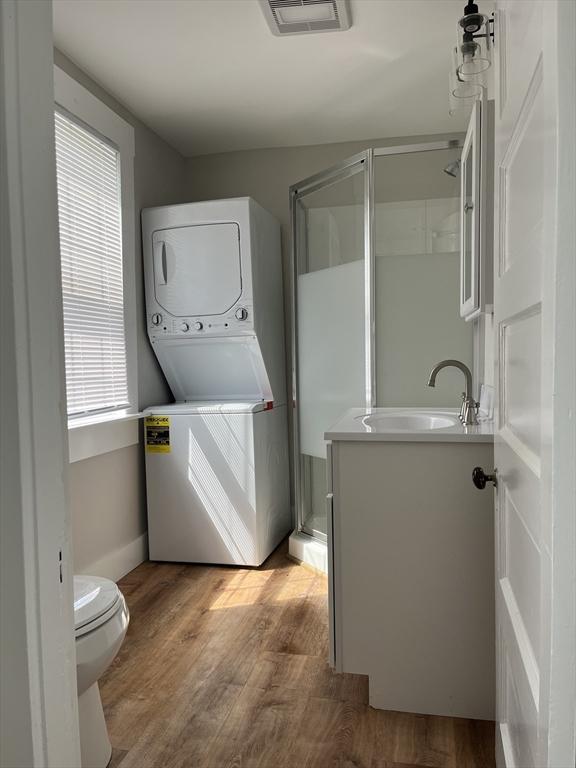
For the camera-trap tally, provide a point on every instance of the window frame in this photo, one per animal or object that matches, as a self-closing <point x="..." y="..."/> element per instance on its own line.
<point x="100" y="432"/>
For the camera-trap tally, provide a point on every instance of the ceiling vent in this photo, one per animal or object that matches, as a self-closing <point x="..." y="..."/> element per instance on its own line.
<point x="298" y="17"/>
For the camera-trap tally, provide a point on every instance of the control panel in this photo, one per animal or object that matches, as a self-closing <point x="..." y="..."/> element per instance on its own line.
<point x="238" y="320"/>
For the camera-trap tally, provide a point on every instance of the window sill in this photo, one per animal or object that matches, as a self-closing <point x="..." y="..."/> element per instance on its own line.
<point x="90" y="436"/>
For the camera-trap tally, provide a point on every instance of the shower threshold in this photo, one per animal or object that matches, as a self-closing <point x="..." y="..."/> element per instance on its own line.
<point x="308" y="550"/>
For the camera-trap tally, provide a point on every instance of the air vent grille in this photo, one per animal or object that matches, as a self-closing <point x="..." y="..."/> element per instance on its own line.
<point x="297" y="17"/>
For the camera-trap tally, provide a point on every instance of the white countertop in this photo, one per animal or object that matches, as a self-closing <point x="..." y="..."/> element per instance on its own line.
<point x="385" y="424"/>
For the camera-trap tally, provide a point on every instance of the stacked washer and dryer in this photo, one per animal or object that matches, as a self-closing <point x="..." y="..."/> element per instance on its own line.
<point x="216" y="459"/>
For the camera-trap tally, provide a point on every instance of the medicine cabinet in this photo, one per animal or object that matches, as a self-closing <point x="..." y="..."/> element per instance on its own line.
<point x="476" y="213"/>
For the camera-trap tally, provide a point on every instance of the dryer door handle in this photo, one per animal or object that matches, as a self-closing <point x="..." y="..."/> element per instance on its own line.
<point x="160" y="265"/>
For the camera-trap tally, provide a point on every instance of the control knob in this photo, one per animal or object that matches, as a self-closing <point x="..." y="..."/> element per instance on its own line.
<point x="184" y="327"/>
<point x="156" y="318"/>
<point x="241" y="314"/>
<point x="198" y="325"/>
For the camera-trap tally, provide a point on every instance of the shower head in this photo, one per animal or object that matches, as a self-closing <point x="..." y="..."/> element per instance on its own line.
<point x="453" y="168"/>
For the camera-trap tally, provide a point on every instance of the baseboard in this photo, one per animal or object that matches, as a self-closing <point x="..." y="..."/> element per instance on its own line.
<point x="120" y="562"/>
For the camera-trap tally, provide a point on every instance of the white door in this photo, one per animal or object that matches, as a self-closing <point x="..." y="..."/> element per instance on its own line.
<point x="535" y="674"/>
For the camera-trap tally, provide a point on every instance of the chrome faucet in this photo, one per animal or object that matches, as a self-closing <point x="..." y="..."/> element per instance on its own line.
<point x="469" y="407"/>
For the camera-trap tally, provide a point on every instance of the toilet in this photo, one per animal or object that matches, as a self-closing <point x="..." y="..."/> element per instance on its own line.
<point x="100" y="622"/>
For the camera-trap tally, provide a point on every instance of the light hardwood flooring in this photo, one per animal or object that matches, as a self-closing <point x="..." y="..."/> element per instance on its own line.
<point x="226" y="668"/>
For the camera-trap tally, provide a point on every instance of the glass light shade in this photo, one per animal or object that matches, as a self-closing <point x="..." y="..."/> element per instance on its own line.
<point x="463" y="92"/>
<point x="472" y="61"/>
<point x="461" y="107"/>
<point x="465" y="86"/>
<point x="474" y="55"/>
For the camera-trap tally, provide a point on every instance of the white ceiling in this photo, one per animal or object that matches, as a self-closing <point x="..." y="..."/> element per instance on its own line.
<point x="208" y="75"/>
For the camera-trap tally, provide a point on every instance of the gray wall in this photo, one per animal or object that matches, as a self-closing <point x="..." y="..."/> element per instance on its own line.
<point x="107" y="491"/>
<point x="107" y="503"/>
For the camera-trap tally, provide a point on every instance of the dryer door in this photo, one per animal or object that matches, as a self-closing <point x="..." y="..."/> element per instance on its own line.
<point x="197" y="269"/>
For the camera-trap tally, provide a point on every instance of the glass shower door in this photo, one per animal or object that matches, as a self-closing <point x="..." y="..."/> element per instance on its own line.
<point x="330" y="319"/>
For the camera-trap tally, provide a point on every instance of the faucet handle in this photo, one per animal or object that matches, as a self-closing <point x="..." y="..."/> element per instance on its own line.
<point x="462" y="407"/>
<point x="470" y="413"/>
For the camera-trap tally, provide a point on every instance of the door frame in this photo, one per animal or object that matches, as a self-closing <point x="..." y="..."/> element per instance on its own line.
<point x="40" y="705"/>
<point x="558" y="695"/>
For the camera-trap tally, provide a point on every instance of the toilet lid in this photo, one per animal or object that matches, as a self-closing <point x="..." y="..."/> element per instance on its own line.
<point x="93" y="596"/>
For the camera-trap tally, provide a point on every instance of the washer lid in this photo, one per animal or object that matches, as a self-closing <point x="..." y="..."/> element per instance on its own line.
<point x="218" y="368"/>
<point x="93" y="596"/>
<point x="208" y="406"/>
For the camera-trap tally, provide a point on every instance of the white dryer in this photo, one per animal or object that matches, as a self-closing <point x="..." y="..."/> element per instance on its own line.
<point x="217" y="459"/>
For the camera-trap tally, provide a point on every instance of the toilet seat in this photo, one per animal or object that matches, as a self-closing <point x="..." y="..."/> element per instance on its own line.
<point x="96" y="600"/>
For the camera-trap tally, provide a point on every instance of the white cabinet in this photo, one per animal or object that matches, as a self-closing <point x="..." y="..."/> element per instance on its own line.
<point x="476" y="213"/>
<point x="411" y="587"/>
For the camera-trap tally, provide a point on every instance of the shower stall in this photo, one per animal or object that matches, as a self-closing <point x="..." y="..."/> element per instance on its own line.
<point x="375" y="250"/>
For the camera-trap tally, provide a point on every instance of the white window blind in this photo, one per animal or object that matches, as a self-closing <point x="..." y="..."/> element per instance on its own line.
<point x="89" y="210"/>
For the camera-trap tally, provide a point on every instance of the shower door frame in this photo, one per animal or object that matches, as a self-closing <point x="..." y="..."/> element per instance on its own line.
<point x="362" y="162"/>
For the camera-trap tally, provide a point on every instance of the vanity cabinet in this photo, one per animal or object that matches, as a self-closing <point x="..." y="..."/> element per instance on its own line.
<point x="411" y="586"/>
<point x="476" y="213"/>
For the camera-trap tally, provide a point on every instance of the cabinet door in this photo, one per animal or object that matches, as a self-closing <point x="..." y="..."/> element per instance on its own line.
<point x="470" y="215"/>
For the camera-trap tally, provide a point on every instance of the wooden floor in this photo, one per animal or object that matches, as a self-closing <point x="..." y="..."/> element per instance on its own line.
<point x="226" y="668"/>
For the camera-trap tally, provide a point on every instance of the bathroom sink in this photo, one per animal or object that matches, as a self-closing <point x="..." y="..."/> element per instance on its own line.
<point x="408" y="422"/>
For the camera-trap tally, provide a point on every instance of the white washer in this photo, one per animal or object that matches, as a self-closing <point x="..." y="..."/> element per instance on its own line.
<point x="216" y="460"/>
<point x="218" y="483"/>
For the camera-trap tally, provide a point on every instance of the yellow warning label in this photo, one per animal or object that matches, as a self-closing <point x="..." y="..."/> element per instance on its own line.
<point x="157" y="434"/>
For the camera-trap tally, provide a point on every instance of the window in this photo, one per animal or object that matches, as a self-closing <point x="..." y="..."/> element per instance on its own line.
<point x="95" y="169"/>
<point x="89" y="211"/>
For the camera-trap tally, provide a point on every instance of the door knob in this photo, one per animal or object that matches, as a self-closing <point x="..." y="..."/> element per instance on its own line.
<point x="479" y="478"/>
